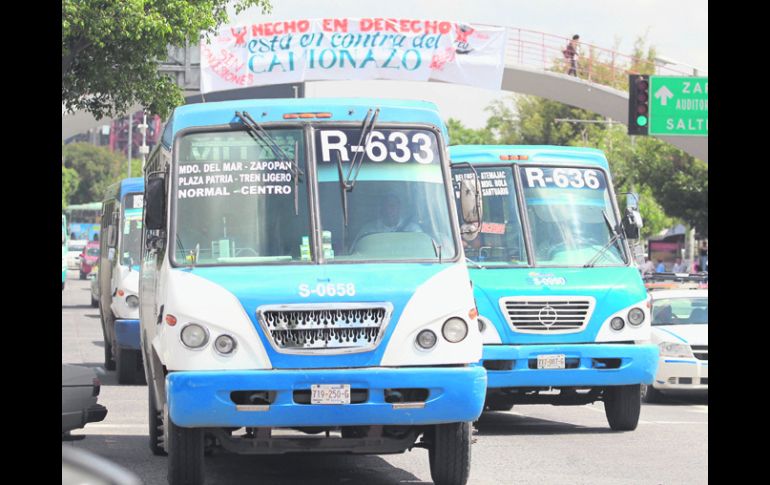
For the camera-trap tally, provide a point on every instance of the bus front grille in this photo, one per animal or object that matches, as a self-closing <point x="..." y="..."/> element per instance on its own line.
<point x="335" y="328"/>
<point x="556" y="314"/>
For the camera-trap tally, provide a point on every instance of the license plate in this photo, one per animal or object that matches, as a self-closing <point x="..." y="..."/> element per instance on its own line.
<point x="551" y="361"/>
<point x="330" y="394"/>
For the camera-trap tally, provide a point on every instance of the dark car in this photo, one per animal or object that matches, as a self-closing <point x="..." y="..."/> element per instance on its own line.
<point x="79" y="389"/>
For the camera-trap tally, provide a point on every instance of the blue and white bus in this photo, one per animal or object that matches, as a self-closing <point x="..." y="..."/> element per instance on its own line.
<point x="564" y="313"/>
<point x="303" y="286"/>
<point x="118" y="278"/>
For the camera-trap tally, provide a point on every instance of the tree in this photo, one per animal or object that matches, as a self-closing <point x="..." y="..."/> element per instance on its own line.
<point x="96" y="167"/>
<point x="460" y="135"/>
<point x="111" y="50"/>
<point x="69" y="183"/>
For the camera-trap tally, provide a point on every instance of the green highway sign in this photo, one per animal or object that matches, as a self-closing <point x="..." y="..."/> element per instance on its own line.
<point x="679" y="106"/>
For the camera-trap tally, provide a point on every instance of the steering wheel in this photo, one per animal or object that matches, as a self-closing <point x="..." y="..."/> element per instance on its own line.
<point x="579" y="242"/>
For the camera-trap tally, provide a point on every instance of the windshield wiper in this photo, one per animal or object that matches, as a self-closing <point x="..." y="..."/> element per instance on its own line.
<point x="263" y="136"/>
<point x="613" y="239"/>
<point x="474" y="263"/>
<point x="347" y="183"/>
<point x="436" y="249"/>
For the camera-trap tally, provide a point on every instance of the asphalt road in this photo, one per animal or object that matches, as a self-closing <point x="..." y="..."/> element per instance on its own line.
<point x="535" y="444"/>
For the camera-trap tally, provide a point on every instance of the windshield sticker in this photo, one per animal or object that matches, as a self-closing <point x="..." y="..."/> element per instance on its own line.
<point x="494" y="183"/>
<point x="492" y="228"/>
<point x="547" y="279"/>
<point x="224" y="179"/>
<point x="392" y="145"/>
<point x="562" y="178"/>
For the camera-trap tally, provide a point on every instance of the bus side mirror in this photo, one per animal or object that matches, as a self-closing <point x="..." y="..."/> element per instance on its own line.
<point x="632" y="223"/>
<point x="471" y="206"/>
<point x="155" y="203"/>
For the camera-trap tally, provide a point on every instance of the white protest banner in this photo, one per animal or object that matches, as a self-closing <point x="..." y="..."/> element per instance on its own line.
<point x="292" y="51"/>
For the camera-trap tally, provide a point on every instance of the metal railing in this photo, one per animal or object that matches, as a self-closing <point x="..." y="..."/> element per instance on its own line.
<point x="540" y="50"/>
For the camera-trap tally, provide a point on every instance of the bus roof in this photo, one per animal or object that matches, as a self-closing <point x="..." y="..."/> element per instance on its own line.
<point x="87" y="207"/>
<point x="125" y="186"/>
<point x="536" y="154"/>
<point x="272" y="110"/>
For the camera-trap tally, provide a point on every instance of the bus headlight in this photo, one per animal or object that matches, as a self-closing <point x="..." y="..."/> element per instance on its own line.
<point x="617" y="323"/>
<point x="635" y="316"/>
<point x="426" y="339"/>
<point x="455" y="329"/>
<point x="132" y="301"/>
<point x="194" y="336"/>
<point x="224" y="344"/>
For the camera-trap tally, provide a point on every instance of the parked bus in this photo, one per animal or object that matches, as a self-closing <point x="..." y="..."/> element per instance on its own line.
<point x="64" y="240"/>
<point x="303" y="271"/>
<point x="118" y="278"/>
<point x="84" y="220"/>
<point x="564" y="312"/>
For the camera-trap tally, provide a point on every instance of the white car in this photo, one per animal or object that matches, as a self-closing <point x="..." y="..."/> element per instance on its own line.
<point x="74" y="248"/>
<point x="680" y="329"/>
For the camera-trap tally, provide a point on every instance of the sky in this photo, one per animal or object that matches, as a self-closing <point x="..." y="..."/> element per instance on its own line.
<point x="678" y="29"/>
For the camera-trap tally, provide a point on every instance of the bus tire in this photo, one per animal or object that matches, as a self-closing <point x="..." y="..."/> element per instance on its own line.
<point x="185" y="455"/>
<point x="82" y="275"/>
<point x="622" y="406"/>
<point x="650" y="394"/>
<point x="94" y="303"/>
<point x="62" y="286"/>
<point x="126" y="361"/>
<point x="156" y="425"/>
<point x="450" y="453"/>
<point x="109" y="359"/>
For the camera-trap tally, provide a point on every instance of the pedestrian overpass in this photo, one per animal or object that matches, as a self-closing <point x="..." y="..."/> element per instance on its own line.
<point x="534" y="65"/>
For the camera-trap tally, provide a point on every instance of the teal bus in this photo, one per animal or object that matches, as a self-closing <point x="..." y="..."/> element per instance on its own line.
<point x="302" y="274"/>
<point x="564" y="313"/>
<point x="84" y="220"/>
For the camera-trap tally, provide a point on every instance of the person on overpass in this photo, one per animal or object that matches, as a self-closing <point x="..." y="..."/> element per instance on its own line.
<point x="571" y="54"/>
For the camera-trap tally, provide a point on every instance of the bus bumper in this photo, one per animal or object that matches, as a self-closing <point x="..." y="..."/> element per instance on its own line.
<point x="588" y="365"/>
<point x="127" y="334"/>
<point x="202" y="398"/>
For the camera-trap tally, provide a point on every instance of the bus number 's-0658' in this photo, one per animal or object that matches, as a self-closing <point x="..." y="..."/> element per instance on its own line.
<point x="327" y="289"/>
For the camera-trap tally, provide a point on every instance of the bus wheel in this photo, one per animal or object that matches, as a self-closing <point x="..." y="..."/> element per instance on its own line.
<point x="126" y="360"/>
<point x="622" y="406"/>
<point x="650" y="394"/>
<point x="156" y="425"/>
<point x="94" y="303"/>
<point x="450" y="453"/>
<point x="185" y="455"/>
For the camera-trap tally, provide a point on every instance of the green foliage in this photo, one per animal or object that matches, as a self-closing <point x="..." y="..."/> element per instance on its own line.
<point x="96" y="168"/>
<point x="111" y="50"/>
<point x="460" y="135"/>
<point x="69" y="183"/>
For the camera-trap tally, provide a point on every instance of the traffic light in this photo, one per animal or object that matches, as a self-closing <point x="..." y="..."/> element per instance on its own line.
<point x="638" y="104"/>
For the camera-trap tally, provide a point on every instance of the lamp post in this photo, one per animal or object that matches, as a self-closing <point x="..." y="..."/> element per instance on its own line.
<point x="144" y="149"/>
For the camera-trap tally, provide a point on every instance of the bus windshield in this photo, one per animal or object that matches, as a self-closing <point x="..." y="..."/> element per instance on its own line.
<point x="397" y="206"/>
<point x="235" y="199"/>
<point x="566" y="208"/>
<point x="131" y="240"/>
<point x="501" y="240"/>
